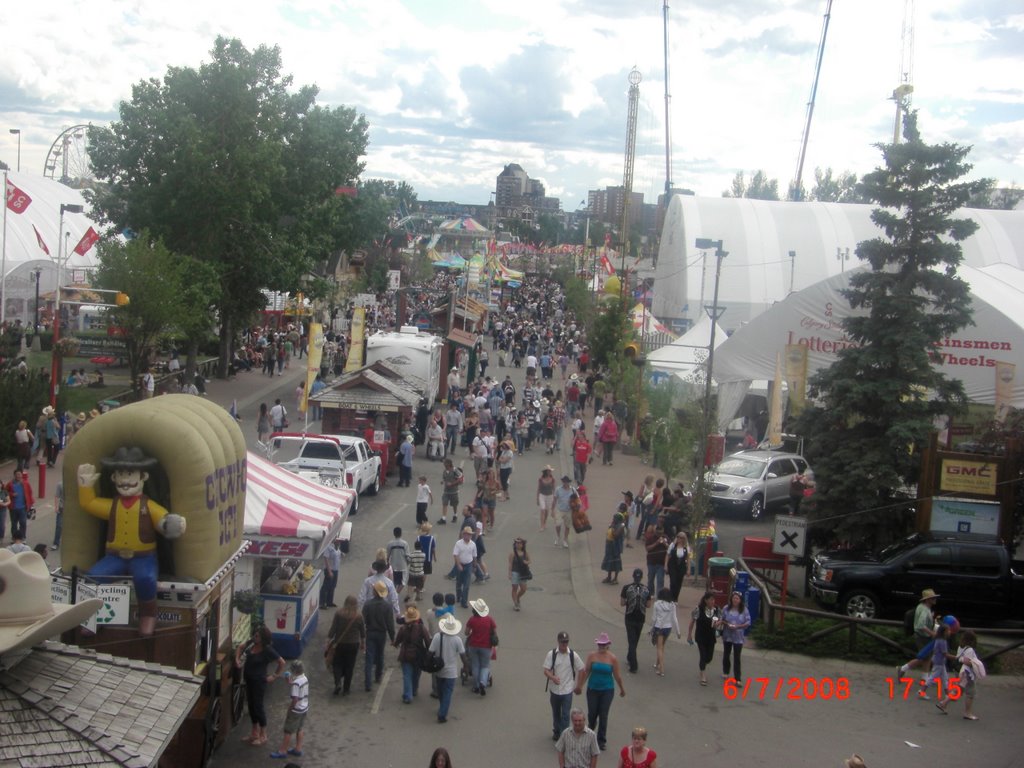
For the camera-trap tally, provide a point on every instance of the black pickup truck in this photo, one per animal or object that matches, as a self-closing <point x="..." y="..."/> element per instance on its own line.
<point x="974" y="574"/>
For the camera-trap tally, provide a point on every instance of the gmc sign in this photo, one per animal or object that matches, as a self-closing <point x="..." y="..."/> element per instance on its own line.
<point x="961" y="476"/>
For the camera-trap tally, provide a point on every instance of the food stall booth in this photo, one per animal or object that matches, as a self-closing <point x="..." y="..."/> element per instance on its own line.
<point x="289" y="521"/>
<point x="375" y="403"/>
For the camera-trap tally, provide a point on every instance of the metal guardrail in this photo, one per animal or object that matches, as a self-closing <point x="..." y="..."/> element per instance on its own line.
<point x="206" y="368"/>
<point x="855" y="626"/>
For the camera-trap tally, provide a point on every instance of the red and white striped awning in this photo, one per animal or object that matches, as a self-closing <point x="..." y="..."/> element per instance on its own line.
<point x="281" y="504"/>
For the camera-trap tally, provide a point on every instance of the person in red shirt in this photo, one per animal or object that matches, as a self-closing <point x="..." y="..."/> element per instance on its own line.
<point x="581" y="450"/>
<point x="608" y="436"/>
<point x="480" y="631"/>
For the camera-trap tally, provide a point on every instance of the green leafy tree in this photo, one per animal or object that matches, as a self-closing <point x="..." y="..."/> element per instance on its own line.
<point x="1001" y="199"/>
<point x="829" y="188"/>
<point x="168" y="294"/>
<point x="231" y="164"/>
<point x="876" y="405"/>
<point x="760" y="187"/>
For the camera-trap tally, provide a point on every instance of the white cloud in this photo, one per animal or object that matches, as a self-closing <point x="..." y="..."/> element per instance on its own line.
<point x="454" y="91"/>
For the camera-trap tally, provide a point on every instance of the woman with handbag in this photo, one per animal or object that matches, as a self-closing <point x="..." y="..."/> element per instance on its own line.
<point x="481" y="638"/>
<point x="518" y="571"/>
<point x="346" y="637"/>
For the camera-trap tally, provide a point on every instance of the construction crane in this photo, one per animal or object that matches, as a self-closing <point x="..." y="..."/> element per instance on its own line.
<point x="904" y="91"/>
<point x="627" y="171"/>
<point x="797" y="191"/>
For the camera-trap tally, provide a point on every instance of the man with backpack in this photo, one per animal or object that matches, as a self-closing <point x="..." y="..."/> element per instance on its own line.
<point x="635" y="598"/>
<point x="562" y="665"/>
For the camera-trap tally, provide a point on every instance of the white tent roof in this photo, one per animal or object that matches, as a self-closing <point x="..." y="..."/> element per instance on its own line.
<point x="760" y="235"/>
<point x="21" y="251"/>
<point x="280" y="503"/>
<point x="685" y="353"/>
<point x="813" y="316"/>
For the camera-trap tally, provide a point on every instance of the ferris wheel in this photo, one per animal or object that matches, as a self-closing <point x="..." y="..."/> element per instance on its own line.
<point x="68" y="158"/>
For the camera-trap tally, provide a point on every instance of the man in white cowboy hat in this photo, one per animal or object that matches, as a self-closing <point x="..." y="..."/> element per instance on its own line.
<point x="27" y="616"/>
<point x="133" y="520"/>
<point x="449" y="646"/>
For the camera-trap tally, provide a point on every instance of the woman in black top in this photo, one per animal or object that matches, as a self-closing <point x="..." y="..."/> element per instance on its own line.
<point x="258" y="653"/>
<point x="705" y="618"/>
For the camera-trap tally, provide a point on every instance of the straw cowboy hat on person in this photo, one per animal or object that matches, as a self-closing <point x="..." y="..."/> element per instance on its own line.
<point x="855" y="761"/>
<point x="380" y="588"/>
<point x="449" y="625"/>
<point x="929" y="594"/>
<point x="27" y="617"/>
<point x="412" y="613"/>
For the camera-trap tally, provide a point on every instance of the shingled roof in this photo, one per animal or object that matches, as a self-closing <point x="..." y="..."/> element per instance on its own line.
<point x="61" y="705"/>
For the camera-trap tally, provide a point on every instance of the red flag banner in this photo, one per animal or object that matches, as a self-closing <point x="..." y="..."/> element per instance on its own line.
<point x="17" y="199"/>
<point x="607" y="265"/>
<point x="88" y="241"/>
<point x="39" y="239"/>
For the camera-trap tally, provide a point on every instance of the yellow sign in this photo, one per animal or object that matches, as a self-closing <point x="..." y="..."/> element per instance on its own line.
<point x="962" y="476"/>
<point x="313" y="356"/>
<point x="357" y="331"/>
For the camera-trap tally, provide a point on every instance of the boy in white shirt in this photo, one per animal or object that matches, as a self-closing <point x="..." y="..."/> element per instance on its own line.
<point x="293" y="723"/>
<point x="424" y="498"/>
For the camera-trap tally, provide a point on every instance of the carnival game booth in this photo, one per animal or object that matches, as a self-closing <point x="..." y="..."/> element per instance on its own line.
<point x="289" y="521"/>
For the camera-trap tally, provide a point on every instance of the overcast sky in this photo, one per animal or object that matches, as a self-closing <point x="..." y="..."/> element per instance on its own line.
<point x="453" y="90"/>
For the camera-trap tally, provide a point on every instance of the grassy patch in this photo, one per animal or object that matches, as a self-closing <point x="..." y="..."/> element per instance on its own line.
<point x="793" y="639"/>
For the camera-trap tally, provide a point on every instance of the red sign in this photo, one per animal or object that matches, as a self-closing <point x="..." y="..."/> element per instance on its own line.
<point x="39" y="239"/>
<point x="278" y="549"/>
<point x="88" y="241"/>
<point x="18" y="200"/>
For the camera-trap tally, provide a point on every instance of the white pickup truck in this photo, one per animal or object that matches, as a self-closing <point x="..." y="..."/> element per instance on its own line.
<point x="334" y="460"/>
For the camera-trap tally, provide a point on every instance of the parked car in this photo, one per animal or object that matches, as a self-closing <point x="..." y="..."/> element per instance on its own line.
<point x="749" y="482"/>
<point x="973" y="573"/>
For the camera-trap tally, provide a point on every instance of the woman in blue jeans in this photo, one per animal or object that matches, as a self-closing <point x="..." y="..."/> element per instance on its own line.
<point x="601" y="674"/>
<point x="412" y="641"/>
<point x="735" y="619"/>
<point x="480" y="630"/>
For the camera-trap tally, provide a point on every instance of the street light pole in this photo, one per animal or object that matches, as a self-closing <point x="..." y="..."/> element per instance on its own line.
<point x="55" y="368"/>
<point x="17" y="132"/>
<point x="714" y="312"/>
<point x="35" y="326"/>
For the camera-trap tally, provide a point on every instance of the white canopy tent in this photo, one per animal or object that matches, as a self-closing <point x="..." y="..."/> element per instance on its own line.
<point x="29" y="234"/>
<point x="812" y="317"/>
<point x="776" y="248"/>
<point x="689" y="351"/>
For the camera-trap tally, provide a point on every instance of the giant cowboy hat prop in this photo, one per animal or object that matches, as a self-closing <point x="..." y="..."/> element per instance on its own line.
<point x="27" y="617"/>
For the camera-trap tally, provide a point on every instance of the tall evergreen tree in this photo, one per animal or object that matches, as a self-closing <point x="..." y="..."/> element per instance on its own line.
<point x="876" y="405"/>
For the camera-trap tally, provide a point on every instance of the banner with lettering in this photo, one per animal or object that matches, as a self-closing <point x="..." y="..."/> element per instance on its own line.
<point x="17" y="199"/>
<point x="1006" y="374"/>
<point x="796" y="376"/>
<point x="357" y="330"/>
<point x="313" y="356"/>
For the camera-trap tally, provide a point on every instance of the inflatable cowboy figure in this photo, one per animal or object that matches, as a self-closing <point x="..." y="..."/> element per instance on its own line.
<point x="132" y="524"/>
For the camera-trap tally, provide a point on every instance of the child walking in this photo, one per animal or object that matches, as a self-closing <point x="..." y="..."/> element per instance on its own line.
<point x="424" y="498"/>
<point x="971" y="670"/>
<point x="293" y="723"/>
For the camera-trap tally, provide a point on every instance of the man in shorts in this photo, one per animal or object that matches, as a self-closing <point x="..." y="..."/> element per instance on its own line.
<point x="561" y="514"/>
<point x="451" y="479"/>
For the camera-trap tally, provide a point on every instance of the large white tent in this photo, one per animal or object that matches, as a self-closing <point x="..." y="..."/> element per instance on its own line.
<point x="689" y="351"/>
<point x="28" y="235"/>
<point x="813" y="318"/>
<point x="776" y="248"/>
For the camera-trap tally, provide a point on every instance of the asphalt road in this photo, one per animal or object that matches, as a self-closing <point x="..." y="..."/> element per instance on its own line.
<point x="688" y="724"/>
